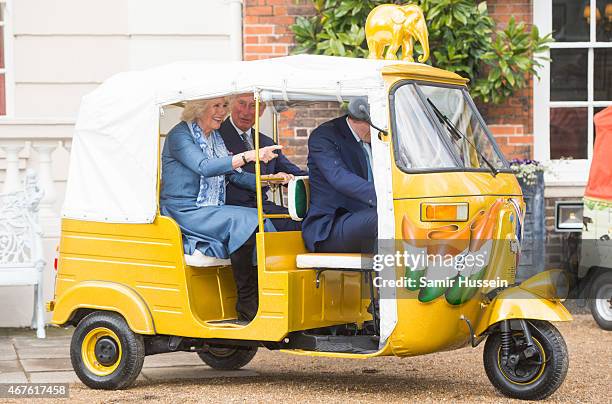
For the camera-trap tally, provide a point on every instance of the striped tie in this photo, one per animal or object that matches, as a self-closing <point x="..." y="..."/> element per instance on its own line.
<point x="246" y="139"/>
<point x="367" y="156"/>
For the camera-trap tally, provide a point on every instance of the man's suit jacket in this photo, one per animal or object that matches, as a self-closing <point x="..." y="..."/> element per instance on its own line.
<point x="243" y="197"/>
<point x="338" y="179"/>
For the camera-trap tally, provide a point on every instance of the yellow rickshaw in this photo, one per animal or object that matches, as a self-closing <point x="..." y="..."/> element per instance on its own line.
<point x="443" y="186"/>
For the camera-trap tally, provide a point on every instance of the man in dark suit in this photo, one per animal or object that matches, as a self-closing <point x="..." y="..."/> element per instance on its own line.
<point x="342" y="214"/>
<point x="237" y="133"/>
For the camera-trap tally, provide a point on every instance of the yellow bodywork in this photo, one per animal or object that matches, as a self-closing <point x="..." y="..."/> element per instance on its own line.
<point x="104" y="295"/>
<point x="437" y="325"/>
<point x="515" y="303"/>
<point x="139" y="271"/>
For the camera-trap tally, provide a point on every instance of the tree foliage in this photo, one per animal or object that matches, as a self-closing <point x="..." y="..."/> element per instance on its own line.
<point x="462" y="38"/>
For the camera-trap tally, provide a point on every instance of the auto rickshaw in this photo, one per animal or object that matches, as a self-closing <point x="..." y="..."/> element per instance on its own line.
<point x="442" y="184"/>
<point x="595" y="268"/>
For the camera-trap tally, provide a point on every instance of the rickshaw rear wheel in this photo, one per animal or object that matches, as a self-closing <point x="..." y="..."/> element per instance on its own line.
<point x="228" y="357"/>
<point x="105" y="353"/>
<point x="533" y="378"/>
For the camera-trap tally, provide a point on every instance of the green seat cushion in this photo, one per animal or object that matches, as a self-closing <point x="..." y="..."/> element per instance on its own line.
<point x="299" y="194"/>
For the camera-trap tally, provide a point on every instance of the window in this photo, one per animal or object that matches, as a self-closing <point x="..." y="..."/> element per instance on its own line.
<point x="575" y="85"/>
<point x="437" y="127"/>
<point x="418" y="145"/>
<point x="469" y="141"/>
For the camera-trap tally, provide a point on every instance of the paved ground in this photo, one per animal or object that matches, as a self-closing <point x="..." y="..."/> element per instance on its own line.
<point x="24" y="358"/>
<point x="456" y="376"/>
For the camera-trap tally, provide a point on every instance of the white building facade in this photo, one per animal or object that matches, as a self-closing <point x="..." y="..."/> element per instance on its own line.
<point x="55" y="51"/>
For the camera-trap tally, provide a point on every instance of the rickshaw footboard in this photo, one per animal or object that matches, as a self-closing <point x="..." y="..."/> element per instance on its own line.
<point x="361" y="344"/>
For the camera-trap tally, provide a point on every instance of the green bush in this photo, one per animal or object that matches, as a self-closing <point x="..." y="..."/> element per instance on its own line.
<point x="462" y="39"/>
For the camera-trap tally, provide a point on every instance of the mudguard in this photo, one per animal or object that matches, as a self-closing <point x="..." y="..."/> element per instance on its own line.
<point x="108" y="296"/>
<point x="517" y="303"/>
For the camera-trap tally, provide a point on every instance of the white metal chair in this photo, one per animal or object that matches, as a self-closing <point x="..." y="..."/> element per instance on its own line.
<point x="21" y="248"/>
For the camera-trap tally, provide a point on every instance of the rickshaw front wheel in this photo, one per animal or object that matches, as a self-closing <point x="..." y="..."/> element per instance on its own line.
<point x="228" y="357"/>
<point x="532" y="378"/>
<point x="105" y="353"/>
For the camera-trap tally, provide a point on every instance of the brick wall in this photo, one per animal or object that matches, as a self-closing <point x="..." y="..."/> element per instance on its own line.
<point x="266" y="26"/>
<point x="266" y="35"/>
<point x="512" y="122"/>
<point x="296" y="124"/>
<point x="554" y="241"/>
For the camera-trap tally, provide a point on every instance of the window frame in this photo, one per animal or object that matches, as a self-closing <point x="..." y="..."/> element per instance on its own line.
<point x="563" y="172"/>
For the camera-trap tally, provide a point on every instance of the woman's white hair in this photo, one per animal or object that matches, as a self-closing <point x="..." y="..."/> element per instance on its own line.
<point x="194" y="109"/>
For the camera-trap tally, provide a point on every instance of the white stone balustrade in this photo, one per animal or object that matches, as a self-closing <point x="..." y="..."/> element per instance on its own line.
<point x="32" y="143"/>
<point x="44" y="149"/>
<point x="11" y="151"/>
<point x="35" y="153"/>
<point x="41" y="144"/>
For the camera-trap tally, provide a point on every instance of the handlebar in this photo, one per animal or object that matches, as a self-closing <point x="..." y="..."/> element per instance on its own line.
<point x="272" y="179"/>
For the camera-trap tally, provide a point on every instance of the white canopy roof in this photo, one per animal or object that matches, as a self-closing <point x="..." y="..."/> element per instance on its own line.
<point x="114" y="157"/>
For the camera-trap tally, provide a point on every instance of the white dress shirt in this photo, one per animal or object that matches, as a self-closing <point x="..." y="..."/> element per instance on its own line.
<point x="366" y="145"/>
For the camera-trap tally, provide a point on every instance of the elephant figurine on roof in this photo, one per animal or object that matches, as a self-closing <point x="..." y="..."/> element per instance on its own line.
<point x="396" y="26"/>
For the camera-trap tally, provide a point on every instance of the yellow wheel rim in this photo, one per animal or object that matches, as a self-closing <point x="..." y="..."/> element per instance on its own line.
<point x="537" y="376"/>
<point x="88" y="351"/>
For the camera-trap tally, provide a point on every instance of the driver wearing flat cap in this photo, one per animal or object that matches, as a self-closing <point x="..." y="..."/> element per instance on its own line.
<point x="342" y="214"/>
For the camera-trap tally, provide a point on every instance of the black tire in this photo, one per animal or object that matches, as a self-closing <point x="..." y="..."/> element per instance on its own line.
<point x="107" y="332"/>
<point x="546" y="378"/>
<point x="601" y="300"/>
<point x="228" y="357"/>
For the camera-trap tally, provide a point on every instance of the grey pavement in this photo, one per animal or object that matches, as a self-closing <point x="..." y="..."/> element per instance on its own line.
<point x="27" y="359"/>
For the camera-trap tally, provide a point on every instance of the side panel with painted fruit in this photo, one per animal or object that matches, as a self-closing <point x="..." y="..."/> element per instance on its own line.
<point x="463" y="261"/>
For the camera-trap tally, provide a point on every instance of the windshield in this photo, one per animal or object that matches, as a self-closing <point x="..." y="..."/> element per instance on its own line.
<point x="438" y="127"/>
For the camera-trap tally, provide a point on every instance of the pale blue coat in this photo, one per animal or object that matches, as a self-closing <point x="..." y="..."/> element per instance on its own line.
<point x="216" y="231"/>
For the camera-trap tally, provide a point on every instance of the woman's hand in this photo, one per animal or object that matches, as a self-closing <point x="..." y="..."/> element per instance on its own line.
<point x="265" y="153"/>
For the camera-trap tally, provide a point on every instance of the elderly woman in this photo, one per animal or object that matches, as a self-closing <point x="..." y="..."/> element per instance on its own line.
<point x="195" y="168"/>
